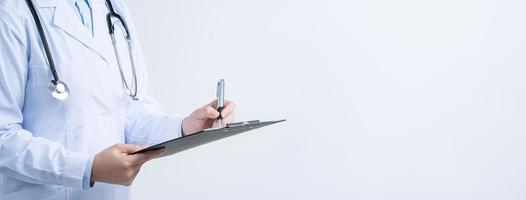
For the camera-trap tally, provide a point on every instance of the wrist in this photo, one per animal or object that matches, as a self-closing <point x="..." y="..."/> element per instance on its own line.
<point x="185" y="129"/>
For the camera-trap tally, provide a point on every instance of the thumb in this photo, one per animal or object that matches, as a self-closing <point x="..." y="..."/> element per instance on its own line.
<point x="205" y="112"/>
<point x="128" y="148"/>
<point x="141" y="158"/>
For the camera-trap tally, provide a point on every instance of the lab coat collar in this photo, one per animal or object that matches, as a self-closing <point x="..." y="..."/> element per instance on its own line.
<point x="53" y="3"/>
<point x="46" y="3"/>
<point x="66" y="19"/>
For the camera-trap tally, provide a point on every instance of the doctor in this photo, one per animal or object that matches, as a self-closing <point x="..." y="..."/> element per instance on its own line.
<point x="77" y="147"/>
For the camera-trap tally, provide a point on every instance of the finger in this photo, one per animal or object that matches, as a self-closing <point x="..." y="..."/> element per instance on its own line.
<point x="215" y="124"/>
<point x="140" y="158"/>
<point x="229" y="109"/>
<point x="211" y="112"/>
<point x="128" y="148"/>
<point x="225" y="121"/>
<point x="214" y="103"/>
<point x="229" y="119"/>
<point x="145" y="156"/>
<point x="205" y="112"/>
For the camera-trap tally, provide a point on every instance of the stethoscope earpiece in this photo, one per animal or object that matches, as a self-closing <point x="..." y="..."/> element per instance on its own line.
<point x="58" y="89"/>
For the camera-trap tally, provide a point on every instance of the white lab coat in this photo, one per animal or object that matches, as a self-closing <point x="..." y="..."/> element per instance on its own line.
<point x="45" y="143"/>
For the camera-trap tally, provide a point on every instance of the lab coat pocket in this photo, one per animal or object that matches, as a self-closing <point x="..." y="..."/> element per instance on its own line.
<point x="43" y="192"/>
<point x="51" y="111"/>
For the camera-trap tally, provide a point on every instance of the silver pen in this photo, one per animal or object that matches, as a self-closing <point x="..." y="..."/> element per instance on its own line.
<point x="220" y="101"/>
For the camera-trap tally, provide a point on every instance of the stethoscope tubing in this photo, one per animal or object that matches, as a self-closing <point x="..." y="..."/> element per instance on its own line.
<point x="133" y="94"/>
<point x="59" y="89"/>
<point x="44" y="41"/>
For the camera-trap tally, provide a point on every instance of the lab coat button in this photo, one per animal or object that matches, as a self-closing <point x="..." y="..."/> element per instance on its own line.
<point x="104" y="65"/>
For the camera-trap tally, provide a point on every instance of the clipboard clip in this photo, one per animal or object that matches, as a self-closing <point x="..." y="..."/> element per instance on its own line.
<point x="236" y="124"/>
<point x="233" y="125"/>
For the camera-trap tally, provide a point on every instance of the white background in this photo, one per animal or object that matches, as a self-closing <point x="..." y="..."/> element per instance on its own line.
<point x="405" y="99"/>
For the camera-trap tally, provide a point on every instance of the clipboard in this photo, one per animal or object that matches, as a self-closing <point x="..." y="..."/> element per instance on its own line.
<point x="206" y="136"/>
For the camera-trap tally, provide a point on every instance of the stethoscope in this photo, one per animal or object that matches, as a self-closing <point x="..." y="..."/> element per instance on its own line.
<point x="60" y="90"/>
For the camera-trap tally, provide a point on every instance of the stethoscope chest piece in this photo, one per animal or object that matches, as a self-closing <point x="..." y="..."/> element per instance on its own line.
<point x="58" y="89"/>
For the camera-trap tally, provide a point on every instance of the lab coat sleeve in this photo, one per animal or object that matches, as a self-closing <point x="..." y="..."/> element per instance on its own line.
<point x="22" y="155"/>
<point x="148" y="124"/>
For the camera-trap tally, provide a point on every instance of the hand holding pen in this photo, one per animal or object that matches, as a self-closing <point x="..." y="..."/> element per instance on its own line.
<point x="208" y="115"/>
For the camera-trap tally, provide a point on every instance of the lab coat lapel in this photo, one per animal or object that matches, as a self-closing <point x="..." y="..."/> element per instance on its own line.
<point x="66" y="19"/>
<point x="100" y="27"/>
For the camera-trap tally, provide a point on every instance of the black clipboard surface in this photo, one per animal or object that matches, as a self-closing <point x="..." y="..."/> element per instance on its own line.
<point x="209" y="135"/>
